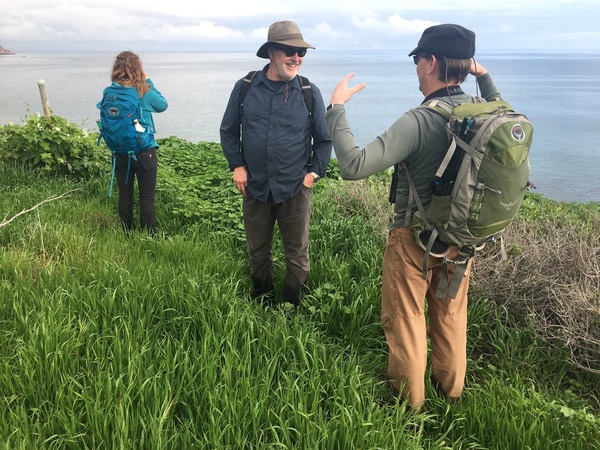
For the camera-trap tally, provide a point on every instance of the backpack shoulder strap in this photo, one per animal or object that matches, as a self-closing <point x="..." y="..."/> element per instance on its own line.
<point x="246" y="85"/>
<point x="442" y="107"/>
<point x="128" y="92"/>
<point x="445" y="109"/>
<point x="307" y="92"/>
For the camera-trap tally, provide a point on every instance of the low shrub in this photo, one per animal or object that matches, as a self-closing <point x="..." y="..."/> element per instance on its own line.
<point x="54" y="145"/>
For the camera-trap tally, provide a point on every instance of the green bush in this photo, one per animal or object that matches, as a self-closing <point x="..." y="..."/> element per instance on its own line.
<point x="53" y="144"/>
<point x="195" y="183"/>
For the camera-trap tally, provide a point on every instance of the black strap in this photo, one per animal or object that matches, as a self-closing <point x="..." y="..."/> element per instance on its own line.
<point x="307" y="92"/>
<point x="393" y="185"/>
<point x="245" y="86"/>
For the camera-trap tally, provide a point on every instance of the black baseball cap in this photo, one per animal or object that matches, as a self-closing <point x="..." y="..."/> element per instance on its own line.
<point x="450" y="40"/>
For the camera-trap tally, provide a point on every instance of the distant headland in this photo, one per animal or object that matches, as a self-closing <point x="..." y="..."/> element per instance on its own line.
<point x="3" y="51"/>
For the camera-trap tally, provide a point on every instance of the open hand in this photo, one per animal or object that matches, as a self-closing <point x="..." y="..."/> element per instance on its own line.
<point x="342" y="92"/>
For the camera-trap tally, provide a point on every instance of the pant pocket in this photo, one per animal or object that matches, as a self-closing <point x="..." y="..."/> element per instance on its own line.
<point x="147" y="159"/>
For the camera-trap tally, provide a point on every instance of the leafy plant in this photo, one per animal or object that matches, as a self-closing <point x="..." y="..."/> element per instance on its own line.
<point x="196" y="180"/>
<point x="53" y="144"/>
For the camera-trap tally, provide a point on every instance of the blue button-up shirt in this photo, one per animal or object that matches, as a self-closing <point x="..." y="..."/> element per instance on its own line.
<point x="281" y="144"/>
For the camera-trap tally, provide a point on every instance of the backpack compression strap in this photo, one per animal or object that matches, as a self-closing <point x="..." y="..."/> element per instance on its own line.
<point x="413" y="198"/>
<point x="130" y="155"/>
<point x="450" y="290"/>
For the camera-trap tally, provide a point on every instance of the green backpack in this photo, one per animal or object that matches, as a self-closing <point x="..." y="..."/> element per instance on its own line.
<point x="479" y="186"/>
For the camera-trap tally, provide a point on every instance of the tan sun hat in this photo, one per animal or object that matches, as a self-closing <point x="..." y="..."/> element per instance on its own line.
<point x="284" y="32"/>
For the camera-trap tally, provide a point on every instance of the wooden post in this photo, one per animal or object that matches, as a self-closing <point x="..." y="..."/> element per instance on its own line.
<point x="45" y="104"/>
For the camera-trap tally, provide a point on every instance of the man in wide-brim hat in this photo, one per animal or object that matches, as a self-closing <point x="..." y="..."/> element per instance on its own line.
<point x="286" y="148"/>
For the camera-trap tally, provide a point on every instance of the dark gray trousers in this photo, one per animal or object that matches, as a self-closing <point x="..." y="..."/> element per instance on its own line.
<point x="293" y="218"/>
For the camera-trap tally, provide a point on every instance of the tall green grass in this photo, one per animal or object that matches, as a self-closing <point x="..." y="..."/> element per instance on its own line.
<point x="110" y="341"/>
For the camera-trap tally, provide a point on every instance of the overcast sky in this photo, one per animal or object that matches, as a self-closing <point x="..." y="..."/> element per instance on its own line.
<point x="345" y="25"/>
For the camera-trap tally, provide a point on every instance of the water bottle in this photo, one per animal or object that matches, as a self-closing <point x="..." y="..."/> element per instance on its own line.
<point x="138" y="126"/>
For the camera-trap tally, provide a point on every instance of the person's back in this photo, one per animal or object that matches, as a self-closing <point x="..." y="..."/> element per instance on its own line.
<point x="137" y="162"/>
<point x="431" y="141"/>
<point x="418" y="139"/>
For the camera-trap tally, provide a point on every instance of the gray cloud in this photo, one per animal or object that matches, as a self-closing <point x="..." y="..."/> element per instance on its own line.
<point x="30" y="25"/>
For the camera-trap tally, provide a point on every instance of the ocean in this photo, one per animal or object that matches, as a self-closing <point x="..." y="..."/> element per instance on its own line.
<point x="559" y="93"/>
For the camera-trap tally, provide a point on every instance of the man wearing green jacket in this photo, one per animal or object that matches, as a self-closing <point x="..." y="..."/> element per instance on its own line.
<point x="443" y="59"/>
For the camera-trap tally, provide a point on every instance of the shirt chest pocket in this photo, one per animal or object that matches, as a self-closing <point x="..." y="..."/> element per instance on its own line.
<point x="293" y="116"/>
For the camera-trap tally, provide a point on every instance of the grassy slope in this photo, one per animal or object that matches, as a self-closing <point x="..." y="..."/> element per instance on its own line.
<point x="115" y="342"/>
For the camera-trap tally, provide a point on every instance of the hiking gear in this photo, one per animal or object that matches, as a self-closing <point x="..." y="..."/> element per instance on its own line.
<point x="479" y="186"/>
<point x="120" y="112"/>
<point x="284" y="32"/>
<point x="450" y="40"/>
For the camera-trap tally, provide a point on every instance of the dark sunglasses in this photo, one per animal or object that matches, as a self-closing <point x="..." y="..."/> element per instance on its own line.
<point x="418" y="56"/>
<point x="290" y="51"/>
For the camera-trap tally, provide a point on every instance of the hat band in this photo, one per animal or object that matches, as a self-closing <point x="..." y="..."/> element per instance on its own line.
<point x="287" y="37"/>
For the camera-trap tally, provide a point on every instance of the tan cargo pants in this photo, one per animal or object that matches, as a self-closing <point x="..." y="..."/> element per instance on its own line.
<point x="406" y="299"/>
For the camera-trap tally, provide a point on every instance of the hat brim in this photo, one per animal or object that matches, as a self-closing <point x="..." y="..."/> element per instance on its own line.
<point x="414" y="52"/>
<point x="263" y="51"/>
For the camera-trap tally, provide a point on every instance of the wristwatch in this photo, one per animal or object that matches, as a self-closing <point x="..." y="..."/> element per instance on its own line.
<point x="315" y="176"/>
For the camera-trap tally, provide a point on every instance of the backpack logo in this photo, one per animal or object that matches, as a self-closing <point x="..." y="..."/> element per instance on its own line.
<point x="113" y="111"/>
<point x="517" y="132"/>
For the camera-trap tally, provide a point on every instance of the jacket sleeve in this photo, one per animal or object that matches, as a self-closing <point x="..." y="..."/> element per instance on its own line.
<point x="393" y="145"/>
<point x="321" y="139"/>
<point x="154" y="100"/>
<point x="151" y="102"/>
<point x="230" y="129"/>
<point x="488" y="88"/>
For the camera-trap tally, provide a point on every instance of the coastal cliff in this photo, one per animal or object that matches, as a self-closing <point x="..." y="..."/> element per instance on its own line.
<point x="3" y="51"/>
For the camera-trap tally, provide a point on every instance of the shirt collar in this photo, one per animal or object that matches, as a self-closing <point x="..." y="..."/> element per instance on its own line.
<point x="447" y="91"/>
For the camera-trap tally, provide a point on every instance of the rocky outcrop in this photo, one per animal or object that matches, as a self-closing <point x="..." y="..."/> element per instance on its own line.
<point x="3" y="51"/>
